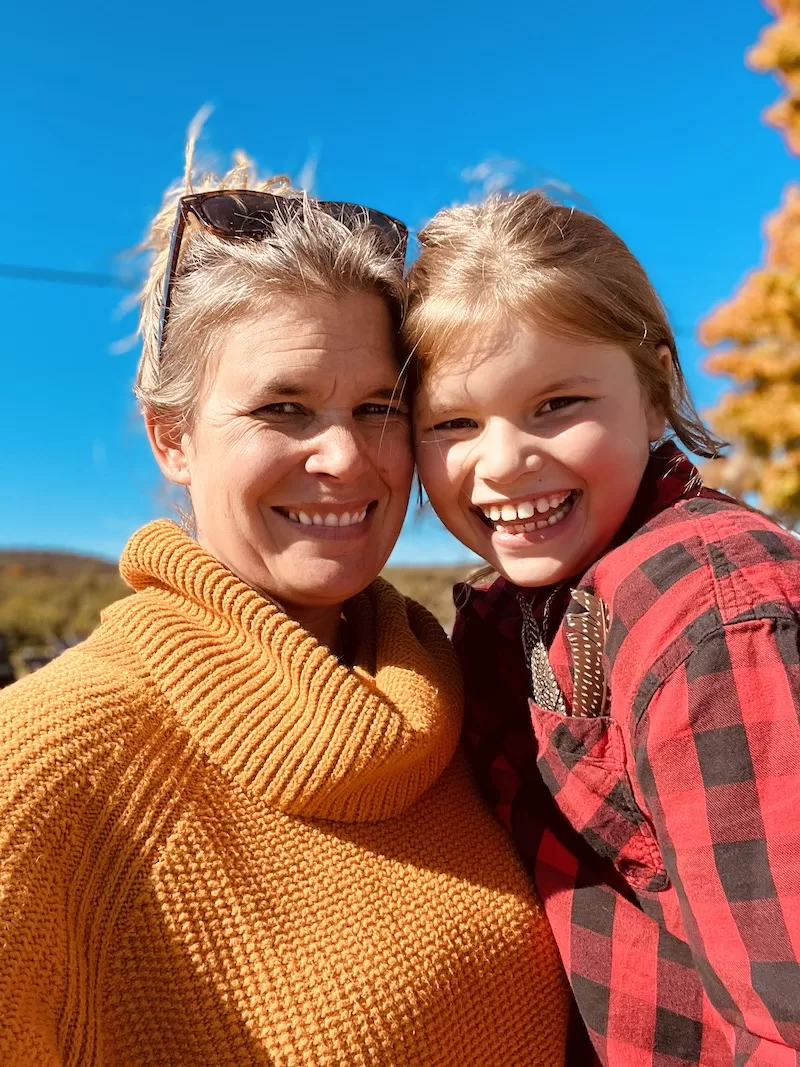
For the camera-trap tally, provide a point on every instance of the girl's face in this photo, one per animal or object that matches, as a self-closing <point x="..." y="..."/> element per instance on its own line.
<point x="532" y="447"/>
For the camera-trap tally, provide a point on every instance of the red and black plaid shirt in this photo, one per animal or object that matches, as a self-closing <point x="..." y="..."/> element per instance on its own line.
<point x="663" y="836"/>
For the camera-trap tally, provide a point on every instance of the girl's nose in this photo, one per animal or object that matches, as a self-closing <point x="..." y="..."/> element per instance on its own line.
<point x="506" y="453"/>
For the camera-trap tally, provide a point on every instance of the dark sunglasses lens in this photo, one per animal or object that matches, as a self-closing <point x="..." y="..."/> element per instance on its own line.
<point x="354" y="216"/>
<point x="240" y="214"/>
<point x="252" y="214"/>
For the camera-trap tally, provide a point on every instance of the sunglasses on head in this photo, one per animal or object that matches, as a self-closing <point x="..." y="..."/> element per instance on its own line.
<point x="250" y="215"/>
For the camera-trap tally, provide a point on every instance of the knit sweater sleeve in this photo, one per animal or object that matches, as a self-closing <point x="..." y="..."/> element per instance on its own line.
<point x="56" y="753"/>
<point x="37" y="856"/>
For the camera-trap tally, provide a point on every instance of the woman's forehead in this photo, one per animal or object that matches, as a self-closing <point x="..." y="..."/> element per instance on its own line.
<point x="295" y="345"/>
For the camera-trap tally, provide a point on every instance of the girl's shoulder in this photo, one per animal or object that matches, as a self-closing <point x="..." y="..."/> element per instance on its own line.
<point x="687" y="581"/>
<point x="708" y="547"/>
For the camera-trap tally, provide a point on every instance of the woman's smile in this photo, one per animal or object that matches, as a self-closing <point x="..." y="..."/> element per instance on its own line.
<point x="340" y="522"/>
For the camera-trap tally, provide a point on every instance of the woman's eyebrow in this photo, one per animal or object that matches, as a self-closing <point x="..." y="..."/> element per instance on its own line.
<point x="283" y="387"/>
<point x="287" y="387"/>
<point x="389" y="392"/>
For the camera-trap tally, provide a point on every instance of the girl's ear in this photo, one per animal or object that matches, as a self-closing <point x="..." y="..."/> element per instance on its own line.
<point x="657" y="420"/>
<point x="169" y="447"/>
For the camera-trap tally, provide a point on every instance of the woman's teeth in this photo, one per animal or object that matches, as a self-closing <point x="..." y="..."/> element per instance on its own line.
<point x="317" y="518"/>
<point x="552" y="509"/>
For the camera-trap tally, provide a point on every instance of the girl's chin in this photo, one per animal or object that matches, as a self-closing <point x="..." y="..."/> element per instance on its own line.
<point x="534" y="573"/>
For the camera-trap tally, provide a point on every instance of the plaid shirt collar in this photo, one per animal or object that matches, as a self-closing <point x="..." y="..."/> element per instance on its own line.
<point x="668" y="477"/>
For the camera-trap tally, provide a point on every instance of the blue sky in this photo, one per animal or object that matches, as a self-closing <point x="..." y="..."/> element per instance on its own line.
<point x="646" y="110"/>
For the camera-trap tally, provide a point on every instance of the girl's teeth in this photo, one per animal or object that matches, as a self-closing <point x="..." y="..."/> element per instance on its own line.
<point x="318" y="520"/>
<point x="305" y="519"/>
<point x="526" y="510"/>
<point x="538" y="524"/>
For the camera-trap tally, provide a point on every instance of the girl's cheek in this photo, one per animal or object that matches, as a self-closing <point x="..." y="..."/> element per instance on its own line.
<point x="439" y="475"/>
<point x="453" y="469"/>
<point x="591" y="443"/>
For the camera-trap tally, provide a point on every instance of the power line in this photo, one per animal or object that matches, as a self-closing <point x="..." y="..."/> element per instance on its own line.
<point x="65" y="277"/>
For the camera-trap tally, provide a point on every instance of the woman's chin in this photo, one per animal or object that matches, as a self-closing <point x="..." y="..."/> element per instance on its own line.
<point x="320" y="581"/>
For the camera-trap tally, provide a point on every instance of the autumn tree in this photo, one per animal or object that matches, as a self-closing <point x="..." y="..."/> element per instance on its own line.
<point x="760" y="326"/>
<point x="778" y="52"/>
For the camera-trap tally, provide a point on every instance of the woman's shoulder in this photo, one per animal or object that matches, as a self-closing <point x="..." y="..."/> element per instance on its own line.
<point x="66" y="720"/>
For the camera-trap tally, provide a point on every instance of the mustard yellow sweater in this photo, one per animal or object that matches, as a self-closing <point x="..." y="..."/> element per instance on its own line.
<point x="218" y="846"/>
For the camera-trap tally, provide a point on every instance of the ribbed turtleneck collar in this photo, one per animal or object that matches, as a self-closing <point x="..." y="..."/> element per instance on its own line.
<point x="273" y="708"/>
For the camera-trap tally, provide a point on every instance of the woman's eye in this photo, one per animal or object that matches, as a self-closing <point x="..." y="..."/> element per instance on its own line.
<point x="286" y="409"/>
<point x="382" y="411"/>
<point x="559" y="403"/>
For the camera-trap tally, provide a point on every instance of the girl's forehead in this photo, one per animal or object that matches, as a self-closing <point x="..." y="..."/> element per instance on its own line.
<point x="514" y="353"/>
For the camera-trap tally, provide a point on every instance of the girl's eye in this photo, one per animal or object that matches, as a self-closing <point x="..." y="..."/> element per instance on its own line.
<point x="559" y="403"/>
<point x="454" y="424"/>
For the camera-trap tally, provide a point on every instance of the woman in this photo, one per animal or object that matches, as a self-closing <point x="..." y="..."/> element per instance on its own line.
<point x="234" y="826"/>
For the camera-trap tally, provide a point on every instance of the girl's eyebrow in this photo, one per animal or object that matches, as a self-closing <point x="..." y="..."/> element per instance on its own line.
<point x="573" y="382"/>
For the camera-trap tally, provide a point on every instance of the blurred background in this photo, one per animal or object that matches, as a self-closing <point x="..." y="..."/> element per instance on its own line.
<point x="678" y="124"/>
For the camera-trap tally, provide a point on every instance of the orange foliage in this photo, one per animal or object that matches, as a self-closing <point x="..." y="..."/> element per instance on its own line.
<point x="760" y="328"/>
<point x="778" y="52"/>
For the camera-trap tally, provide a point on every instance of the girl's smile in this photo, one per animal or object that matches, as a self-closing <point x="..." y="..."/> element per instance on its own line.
<point x="531" y="448"/>
<point x="521" y="533"/>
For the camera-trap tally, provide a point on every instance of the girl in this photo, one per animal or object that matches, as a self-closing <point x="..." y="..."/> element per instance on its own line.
<point x="633" y="670"/>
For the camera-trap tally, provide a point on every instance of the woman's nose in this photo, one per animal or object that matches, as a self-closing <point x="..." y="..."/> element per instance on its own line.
<point x="339" y="452"/>
<point x="506" y="454"/>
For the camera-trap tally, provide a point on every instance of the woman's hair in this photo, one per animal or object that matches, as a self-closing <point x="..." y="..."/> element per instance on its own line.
<point x="526" y="257"/>
<point x="220" y="282"/>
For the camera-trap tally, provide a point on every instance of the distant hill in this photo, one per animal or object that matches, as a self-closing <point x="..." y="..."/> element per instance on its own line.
<point x="47" y="597"/>
<point x="50" y="596"/>
<point x="51" y="562"/>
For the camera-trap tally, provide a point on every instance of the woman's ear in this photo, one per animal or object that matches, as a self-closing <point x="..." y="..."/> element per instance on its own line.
<point x="657" y="420"/>
<point x="169" y="447"/>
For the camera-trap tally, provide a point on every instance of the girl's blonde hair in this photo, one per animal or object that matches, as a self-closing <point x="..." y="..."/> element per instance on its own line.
<point x="527" y="257"/>
<point x="220" y="282"/>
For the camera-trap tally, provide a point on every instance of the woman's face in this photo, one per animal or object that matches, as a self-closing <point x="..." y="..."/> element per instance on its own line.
<point x="298" y="462"/>
<point x="531" y="449"/>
